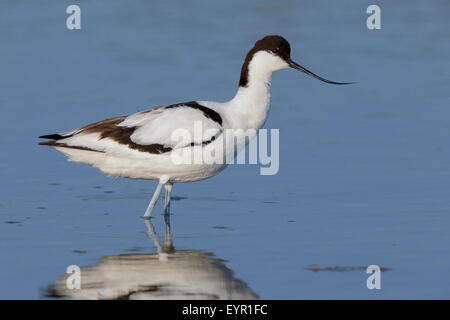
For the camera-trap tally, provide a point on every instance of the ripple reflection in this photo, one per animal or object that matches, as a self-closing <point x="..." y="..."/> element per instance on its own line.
<point x="166" y="274"/>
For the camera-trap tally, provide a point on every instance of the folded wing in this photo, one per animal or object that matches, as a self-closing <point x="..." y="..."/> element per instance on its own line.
<point x="151" y="132"/>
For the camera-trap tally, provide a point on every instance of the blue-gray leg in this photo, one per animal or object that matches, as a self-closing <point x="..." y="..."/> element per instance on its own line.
<point x="168" y="187"/>
<point x="152" y="203"/>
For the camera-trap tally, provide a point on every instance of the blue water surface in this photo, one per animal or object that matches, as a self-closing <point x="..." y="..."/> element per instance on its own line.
<point x="364" y="169"/>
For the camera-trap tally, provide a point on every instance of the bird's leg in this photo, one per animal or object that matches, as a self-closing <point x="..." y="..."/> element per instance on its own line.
<point x="168" y="187"/>
<point x="152" y="203"/>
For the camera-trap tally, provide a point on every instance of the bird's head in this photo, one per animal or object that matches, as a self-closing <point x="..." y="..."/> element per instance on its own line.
<point x="273" y="53"/>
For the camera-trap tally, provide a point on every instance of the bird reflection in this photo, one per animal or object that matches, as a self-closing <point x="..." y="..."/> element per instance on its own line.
<point x="167" y="274"/>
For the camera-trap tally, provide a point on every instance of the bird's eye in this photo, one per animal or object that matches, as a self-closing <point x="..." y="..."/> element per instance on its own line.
<point x="276" y="50"/>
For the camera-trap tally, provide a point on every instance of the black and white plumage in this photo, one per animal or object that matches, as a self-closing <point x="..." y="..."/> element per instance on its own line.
<point x="141" y="146"/>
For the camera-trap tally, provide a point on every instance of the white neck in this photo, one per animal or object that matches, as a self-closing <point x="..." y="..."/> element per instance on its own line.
<point x="251" y="103"/>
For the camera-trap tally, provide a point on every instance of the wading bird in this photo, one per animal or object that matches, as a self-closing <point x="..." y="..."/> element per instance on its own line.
<point x="140" y="146"/>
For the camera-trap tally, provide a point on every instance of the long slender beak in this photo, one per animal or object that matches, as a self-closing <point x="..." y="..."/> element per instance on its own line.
<point x="292" y="64"/>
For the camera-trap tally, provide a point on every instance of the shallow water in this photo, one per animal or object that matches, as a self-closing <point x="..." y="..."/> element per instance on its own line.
<point x="364" y="169"/>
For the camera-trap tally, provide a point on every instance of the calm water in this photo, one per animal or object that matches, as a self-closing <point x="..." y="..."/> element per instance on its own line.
<point x="364" y="169"/>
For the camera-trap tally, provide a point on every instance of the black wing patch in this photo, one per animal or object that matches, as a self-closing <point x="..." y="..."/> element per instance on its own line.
<point x="109" y="129"/>
<point x="209" y="113"/>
